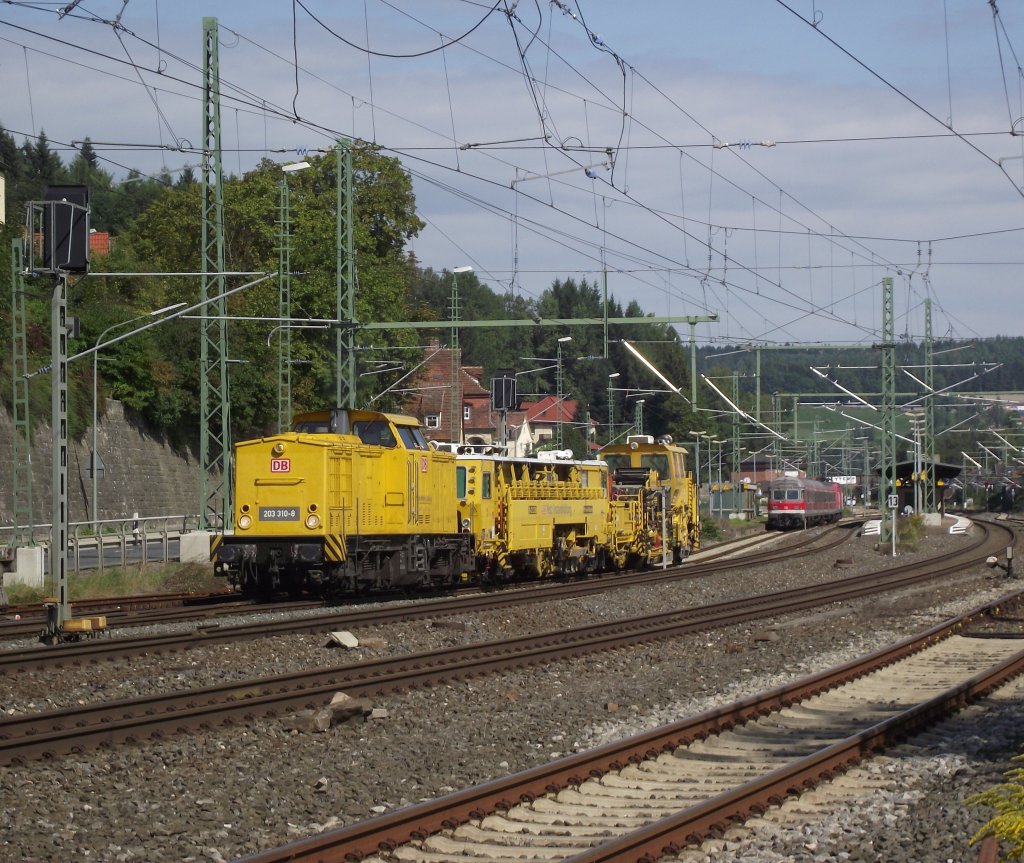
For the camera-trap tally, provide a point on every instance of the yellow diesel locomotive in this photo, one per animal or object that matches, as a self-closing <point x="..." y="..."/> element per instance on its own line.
<point x="355" y="500"/>
<point x="347" y="500"/>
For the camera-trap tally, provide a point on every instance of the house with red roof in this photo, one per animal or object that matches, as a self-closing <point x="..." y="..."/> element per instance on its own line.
<point x="545" y="415"/>
<point x="462" y="412"/>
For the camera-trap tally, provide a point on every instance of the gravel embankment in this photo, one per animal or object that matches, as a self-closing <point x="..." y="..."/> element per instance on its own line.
<point x="234" y="791"/>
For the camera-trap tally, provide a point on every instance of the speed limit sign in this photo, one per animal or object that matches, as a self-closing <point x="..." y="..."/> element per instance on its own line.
<point x="894" y="501"/>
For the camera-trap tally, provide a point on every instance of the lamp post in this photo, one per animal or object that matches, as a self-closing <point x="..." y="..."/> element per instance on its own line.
<point x="698" y="435"/>
<point x="611" y="406"/>
<point x="558" y="390"/>
<point x="711" y="442"/>
<point x="721" y="487"/>
<point x="917" y="419"/>
<point x="94" y="457"/>
<point x="866" y="499"/>
<point x="284" y="281"/>
<point x="455" y="420"/>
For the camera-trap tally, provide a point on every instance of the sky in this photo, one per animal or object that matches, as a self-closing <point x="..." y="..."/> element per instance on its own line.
<point x="767" y="162"/>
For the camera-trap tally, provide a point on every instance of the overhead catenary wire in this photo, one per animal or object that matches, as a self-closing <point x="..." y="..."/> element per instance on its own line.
<point x="756" y="271"/>
<point x="901" y="93"/>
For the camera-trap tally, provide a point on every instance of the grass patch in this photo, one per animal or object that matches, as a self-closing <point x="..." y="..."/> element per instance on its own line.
<point x="126" y="581"/>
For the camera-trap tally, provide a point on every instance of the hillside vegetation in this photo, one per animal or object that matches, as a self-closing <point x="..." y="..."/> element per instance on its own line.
<point x="155" y="227"/>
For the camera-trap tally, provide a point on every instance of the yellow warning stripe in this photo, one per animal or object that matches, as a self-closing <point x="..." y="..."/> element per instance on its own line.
<point x="334" y="548"/>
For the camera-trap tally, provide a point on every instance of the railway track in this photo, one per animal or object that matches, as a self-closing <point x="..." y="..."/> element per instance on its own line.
<point x="124" y="604"/>
<point x="131" y="613"/>
<point x="654" y="794"/>
<point x="26" y="620"/>
<point x="48" y="734"/>
<point x="209" y="632"/>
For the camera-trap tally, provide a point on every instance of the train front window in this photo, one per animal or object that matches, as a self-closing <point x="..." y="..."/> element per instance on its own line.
<point x="374" y="433"/>
<point x="792" y="494"/>
<point x="412" y="437"/>
<point x="312" y="427"/>
<point x="460" y="482"/>
<point x="658" y="462"/>
<point x="616" y="461"/>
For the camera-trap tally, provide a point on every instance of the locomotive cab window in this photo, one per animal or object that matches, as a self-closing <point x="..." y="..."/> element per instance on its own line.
<point x="311" y="427"/>
<point x="374" y="433"/>
<point x="412" y="437"/>
<point x="460" y="482"/>
<point x="616" y="461"/>
<point x="485" y="485"/>
<point x="658" y="462"/>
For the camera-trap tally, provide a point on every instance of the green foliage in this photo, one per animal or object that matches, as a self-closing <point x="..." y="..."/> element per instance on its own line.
<point x="710" y="530"/>
<point x="1007" y="800"/>
<point x="156" y="223"/>
<point x="910" y="532"/>
<point x="158" y="226"/>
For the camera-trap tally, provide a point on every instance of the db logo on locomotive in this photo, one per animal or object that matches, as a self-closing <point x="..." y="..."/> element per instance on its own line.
<point x="280" y="465"/>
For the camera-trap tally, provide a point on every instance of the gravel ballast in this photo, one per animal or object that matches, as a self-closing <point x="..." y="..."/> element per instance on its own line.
<point x="233" y="791"/>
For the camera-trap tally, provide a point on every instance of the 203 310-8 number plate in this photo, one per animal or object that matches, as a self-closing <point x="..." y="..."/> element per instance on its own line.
<point x="279" y="513"/>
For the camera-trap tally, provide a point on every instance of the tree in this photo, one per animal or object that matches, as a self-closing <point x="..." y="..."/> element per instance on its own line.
<point x="11" y="159"/>
<point x="186" y="178"/>
<point x="44" y="167"/>
<point x="166" y="237"/>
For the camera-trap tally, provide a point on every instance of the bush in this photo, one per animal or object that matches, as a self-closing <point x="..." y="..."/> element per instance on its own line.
<point x="909" y="532"/>
<point x="710" y="530"/>
<point x="1008" y="824"/>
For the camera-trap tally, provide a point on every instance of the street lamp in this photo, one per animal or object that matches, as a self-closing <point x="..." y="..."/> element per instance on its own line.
<point x="721" y="502"/>
<point x="711" y="442"/>
<point x="611" y="406"/>
<point x="558" y="390"/>
<point x="284" y="281"/>
<point x="698" y="435"/>
<point x="94" y="462"/>
<point x="917" y="419"/>
<point x="455" y="420"/>
<point x="755" y="453"/>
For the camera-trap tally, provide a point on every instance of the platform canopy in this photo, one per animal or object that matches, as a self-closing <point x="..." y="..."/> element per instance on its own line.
<point x="937" y="471"/>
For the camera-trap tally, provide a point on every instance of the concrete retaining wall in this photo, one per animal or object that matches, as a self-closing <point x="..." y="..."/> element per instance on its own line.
<point x="143" y="474"/>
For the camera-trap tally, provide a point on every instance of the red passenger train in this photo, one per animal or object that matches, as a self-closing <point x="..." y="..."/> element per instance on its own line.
<point x="795" y="502"/>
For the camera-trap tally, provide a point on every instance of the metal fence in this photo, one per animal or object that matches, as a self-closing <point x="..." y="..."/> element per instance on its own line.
<point x="111" y="542"/>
